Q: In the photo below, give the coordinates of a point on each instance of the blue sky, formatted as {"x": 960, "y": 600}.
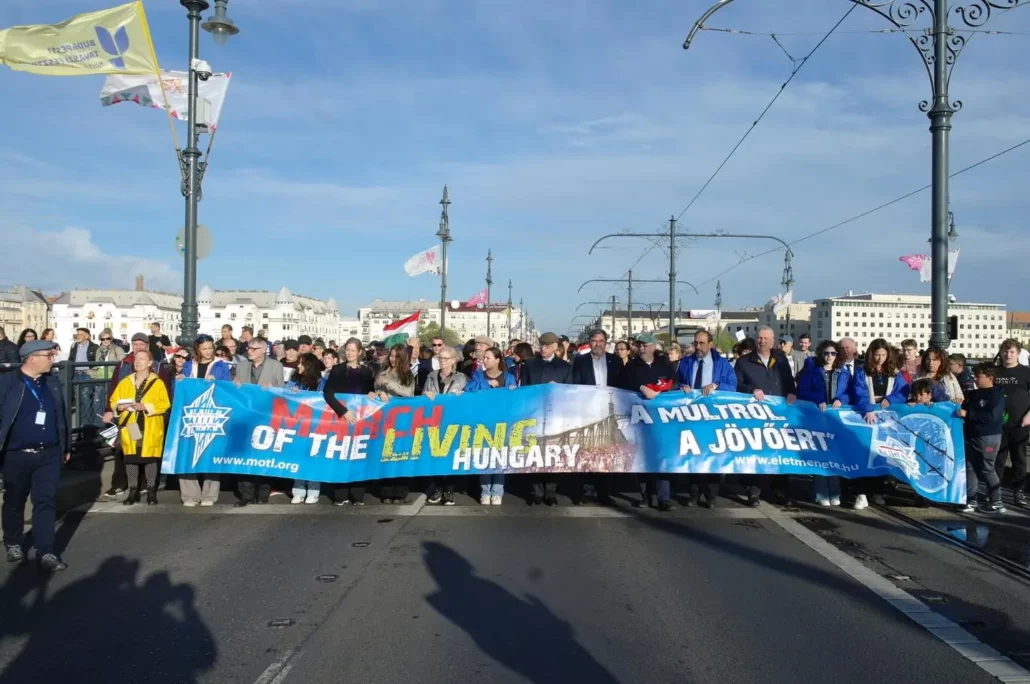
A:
{"x": 552, "y": 124}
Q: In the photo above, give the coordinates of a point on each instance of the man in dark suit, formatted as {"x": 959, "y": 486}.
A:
{"x": 598, "y": 369}
{"x": 650, "y": 374}
{"x": 542, "y": 370}
{"x": 34, "y": 443}
{"x": 766, "y": 372}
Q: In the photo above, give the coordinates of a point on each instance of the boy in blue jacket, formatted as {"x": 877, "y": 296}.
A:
{"x": 984, "y": 412}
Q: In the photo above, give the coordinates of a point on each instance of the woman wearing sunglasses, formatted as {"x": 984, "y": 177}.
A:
{"x": 824, "y": 381}
{"x": 204, "y": 363}
{"x": 107, "y": 351}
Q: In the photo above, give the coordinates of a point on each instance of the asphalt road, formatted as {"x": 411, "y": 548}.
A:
{"x": 314, "y": 594}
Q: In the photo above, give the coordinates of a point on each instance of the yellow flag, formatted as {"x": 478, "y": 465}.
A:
{"x": 111, "y": 41}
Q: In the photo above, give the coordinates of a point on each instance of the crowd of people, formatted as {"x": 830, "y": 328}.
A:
{"x": 994, "y": 402}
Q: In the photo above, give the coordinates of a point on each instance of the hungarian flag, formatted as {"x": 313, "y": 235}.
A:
{"x": 406, "y": 326}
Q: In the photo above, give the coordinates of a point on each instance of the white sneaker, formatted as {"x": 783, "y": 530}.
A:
{"x": 861, "y": 502}
{"x": 835, "y": 501}
{"x": 822, "y": 501}
{"x": 495, "y": 500}
{"x": 297, "y": 499}
{"x": 207, "y": 503}
{"x": 189, "y": 504}
{"x": 484, "y": 500}
{"x": 311, "y": 499}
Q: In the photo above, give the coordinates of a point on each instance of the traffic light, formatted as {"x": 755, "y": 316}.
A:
{"x": 952, "y": 328}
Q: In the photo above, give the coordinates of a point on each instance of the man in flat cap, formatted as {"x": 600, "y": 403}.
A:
{"x": 34, "y": 443}
{"x": 544, "y": 369}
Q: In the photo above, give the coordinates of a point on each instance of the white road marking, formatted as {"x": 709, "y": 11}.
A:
{"x": 967, "y": 645}
{"x": 277, "y": 671}
{"x": 420, "y": 507}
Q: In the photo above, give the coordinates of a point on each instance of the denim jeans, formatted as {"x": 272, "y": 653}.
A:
{"x": 306, "y": 487}
{"x": 827, "y": 487}
{"x": 493, "y": 485}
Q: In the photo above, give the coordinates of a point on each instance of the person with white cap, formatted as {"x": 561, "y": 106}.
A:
{"x": 34, "y": 442}
{"x": 795, "y": 357}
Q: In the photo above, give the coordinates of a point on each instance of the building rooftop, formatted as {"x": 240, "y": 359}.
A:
{"x": 895, "y": 298}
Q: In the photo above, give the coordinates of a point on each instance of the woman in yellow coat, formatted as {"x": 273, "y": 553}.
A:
{"x": 139, "y": 404}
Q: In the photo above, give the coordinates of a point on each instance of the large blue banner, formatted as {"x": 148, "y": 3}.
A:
{"x": 216, "y": 427}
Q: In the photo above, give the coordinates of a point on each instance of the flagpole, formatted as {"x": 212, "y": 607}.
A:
{"x": 489, "y": 282}
{"x": 445, "y": 236}
{"x": 190, "y": 323}
{"x": 509, "y": 309}
{"x": 522, "y": 319}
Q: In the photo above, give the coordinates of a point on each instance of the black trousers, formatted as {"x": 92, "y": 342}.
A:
{"x": 119, "y": 479}
{"x": 708, "y": 481}
{"x": 254, "y": 489}
{"x": 394, "y": 489}
{"x": 594, "y": 485}
{"x": 352, "y": 493}
{"x": 545, "y": 489}
{"x": 1014, "y": 441}
{"x": 37, "y": 474}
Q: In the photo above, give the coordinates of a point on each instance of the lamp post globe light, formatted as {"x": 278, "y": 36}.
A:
{"x": 939, "y": 46}
{"x": 220, "y": 27}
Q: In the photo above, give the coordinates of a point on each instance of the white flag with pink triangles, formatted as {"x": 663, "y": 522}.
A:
{"x": 145, "y": 90}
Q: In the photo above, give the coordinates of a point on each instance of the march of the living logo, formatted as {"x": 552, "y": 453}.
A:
{"x": 203, "y": 420}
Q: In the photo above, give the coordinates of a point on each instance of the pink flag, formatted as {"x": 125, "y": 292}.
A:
{"x": 477, "y": 299}
{"x": 914, "y": 261}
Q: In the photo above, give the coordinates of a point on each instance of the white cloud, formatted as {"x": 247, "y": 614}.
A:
{"x": 69, "y": 258}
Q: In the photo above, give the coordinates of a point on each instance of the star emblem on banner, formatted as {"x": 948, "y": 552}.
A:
{"x": 203, "y": 420}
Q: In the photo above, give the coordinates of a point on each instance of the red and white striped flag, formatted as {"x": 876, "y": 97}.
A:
{"x": 407, "y": 326}
{"x": 477, "y": 299}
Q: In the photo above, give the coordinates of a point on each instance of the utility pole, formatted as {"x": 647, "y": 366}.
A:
{"x": 672, "y": 279}
{"x": 629, "y": 292}
{"x": 613, "y": 315}
{"x": 718, "y": 311}
{"x": 509, "y": 309}
{"x": 489, "y": 282}
{"x": 788, "y": 285}
{"x": 672, "y": 235}
{"x": 445, "y": 237}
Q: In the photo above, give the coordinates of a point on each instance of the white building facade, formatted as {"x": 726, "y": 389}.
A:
{"x": 894, "y": 317}
{"x": 276, "y": 315}
{"x": 21, "y": 308}
{"x": 125, "y": 312}
{"x": 466, "y": 322}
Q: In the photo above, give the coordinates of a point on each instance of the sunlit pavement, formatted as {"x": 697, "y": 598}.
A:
{"x": 282, "y": 593}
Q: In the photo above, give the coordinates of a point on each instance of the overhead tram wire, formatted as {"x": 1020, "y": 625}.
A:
{"x": 765, "y": 34}
{"x": 865, "y": 213}
{"x": 798, "y": 65}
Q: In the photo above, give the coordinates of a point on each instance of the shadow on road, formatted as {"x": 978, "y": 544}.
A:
{"x": 108, "y": 627}
{"x": 521, "y": 634}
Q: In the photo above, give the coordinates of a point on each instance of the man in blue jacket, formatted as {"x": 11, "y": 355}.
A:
{"x": 33, "y": 445}
{"x": 705, "y": 371}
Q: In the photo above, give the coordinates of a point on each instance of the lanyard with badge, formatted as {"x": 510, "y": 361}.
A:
{"x": 40, "y": 414}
